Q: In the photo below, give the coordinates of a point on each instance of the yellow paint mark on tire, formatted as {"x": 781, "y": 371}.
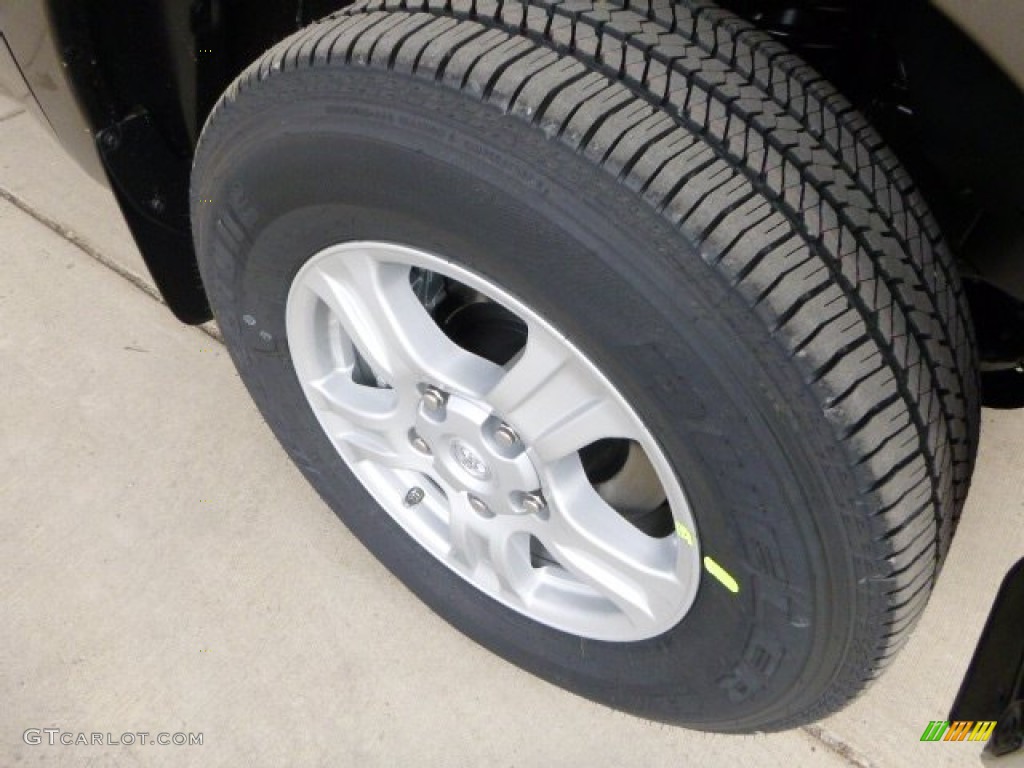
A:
{"x": 710, "y": 565}
{"x": 721, "y": 574}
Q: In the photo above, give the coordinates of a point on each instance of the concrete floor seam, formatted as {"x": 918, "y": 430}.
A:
{"x": 838, "y": 746}
{"x": 82, "y": 245}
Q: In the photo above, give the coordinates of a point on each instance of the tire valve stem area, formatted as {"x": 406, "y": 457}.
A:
{"x": 414, "y": 496}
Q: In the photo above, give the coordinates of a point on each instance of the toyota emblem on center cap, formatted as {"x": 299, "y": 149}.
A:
{"x": 470, "y": 460}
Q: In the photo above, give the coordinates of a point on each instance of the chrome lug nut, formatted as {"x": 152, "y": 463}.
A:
{"x": 506, "y": 437}
{"x": 480, "y": 507}
{"x": 419, "y": 443}
{"x": 534, "y": 504}
{"x": 434, "y": 400}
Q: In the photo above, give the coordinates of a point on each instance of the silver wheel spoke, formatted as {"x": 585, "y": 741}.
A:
{"x": 467, "y": 545}
{"x": 509, "y": 554}
{"x": 366, "y": 408}
{"x": 492, "y": 548}
{"x": 376, "y": 449}
{"x": 593, "y": 542}
{"x": 376, "y": 306}
{"x": 555, "y": 402}
{"x": 365, "y": 423}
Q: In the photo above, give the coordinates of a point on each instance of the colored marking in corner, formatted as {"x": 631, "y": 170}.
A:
{"x": 721, "y": 574}
{"x": 684, "y": 533}
{"x": 710, "y": 565}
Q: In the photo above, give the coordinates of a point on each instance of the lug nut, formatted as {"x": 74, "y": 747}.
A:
{"x": 506, "y": 437}
{"x": 534, "y": 504}
{"x": 480, "y": 507}
{"x": 434, "y": 400}
{"x": 419, "y": 443}
{"x": 414, "y": 496}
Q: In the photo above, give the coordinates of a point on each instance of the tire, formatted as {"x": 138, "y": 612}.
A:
{"x": 712, "y": 242}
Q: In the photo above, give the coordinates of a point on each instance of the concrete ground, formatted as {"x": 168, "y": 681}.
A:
{"x": 164, "y": 568}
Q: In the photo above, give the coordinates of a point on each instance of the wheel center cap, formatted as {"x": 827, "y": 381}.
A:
{"x": 470, "y": 457}
{"x": 470, "y": 460}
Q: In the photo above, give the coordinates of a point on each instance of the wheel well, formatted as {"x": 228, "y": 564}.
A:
{"x": 953, "y": 118}
{"x": 146, "y": 74}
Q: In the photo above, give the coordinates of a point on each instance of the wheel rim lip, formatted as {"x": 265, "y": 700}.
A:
{"x": 388, "y": 485}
